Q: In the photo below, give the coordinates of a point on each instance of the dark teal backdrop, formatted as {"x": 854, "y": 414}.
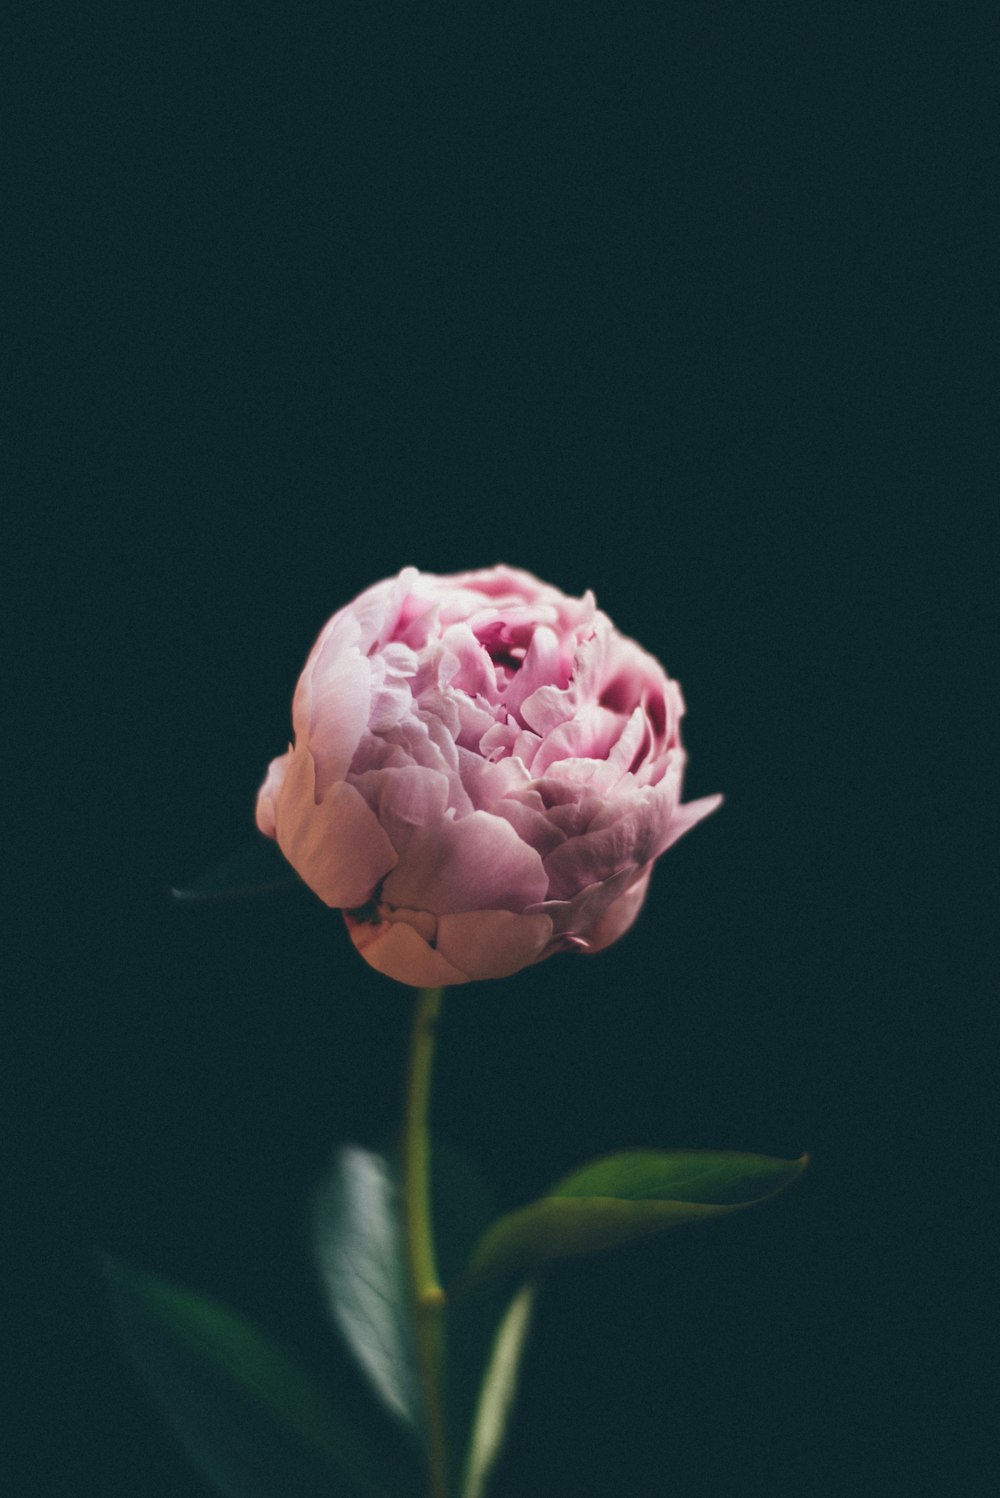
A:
{"x": 656, "y": 300}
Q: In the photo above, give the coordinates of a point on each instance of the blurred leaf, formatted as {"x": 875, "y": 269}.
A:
{"x": 496, "y": 1396}
{"x": 360, "y": 1252}
{"x": 715, "y": 1177}
{"x": 623, "y": 1197}
{"x": 252, "y": 1421}
{"x": 256, "y": 867}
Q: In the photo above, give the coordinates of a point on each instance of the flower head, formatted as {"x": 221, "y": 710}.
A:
{"x": 483, "y": 772}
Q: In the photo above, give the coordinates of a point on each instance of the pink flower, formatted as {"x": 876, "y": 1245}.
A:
{"x": 483, "y": 772}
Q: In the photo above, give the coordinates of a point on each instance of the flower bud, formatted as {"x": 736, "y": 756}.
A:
{"x": 483, "y": 772}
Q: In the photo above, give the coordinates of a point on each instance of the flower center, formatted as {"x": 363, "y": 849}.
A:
{"x": 508, "y": 657}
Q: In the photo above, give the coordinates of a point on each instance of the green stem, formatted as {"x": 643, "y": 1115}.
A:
{"x": 427, "y": 1297}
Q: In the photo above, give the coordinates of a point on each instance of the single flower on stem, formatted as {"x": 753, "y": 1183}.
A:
{"x": 484, "y": 771}
{"x": 483, "y": 774}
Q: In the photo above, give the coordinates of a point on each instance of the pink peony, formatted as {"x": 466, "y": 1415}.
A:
{"x": 483, "y": 772}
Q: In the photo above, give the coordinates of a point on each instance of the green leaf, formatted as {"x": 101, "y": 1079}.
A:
{"x": 359, "y": 1249}
{"x": 712, "y": 1177}
{"x": 497, "y": 1393}
{"x": 254, "y": 868}
{"x": 250, "y": 1419}
{"x": 624, "y": 1197}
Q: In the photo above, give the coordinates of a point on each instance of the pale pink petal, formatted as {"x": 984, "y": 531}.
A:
{"x": 532, "y": 827}
{"x": 404, "y": 799}
{"x": 578, "y": 916}
{"x": 391, "y": 698}
{"x": 267, "y": 796}
{"x": 547, "y": 708}
{"x": 339, "y": 708}
{"x": 620, "y": 915}
{"x": 429, "y": 744}
{"x": 487, "y": 782}
{"x": 492, "y": 943}
{"x": 626, "y": 672}
{"x": 578, "y": 809}
{"x": 475, "y": 863}
{"x": 423, "y": 923}
{"x": 377, "y": 609}
{"x": 662, "y": 797}
{"x": 498, "y": 741}
{"x": 686, "y": 817}
{"x": 627, "y": 840}
{"x": 337, "y": 845}
{"x": 502, "y": 582}
{"x": 466, "y": 666}
{"x": 541, "y": 665}
{"x": 339, "y": 633}
{"x": 378, "y": 752}
{"x": 397, "y": 950}
{"x": 525, "y": 747}
{"x": 475, "y": 720}
{"x": 633, "y": 737}
{"x": 586, "y": 737}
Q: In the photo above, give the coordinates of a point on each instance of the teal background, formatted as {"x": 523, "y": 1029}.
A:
{"x": 684, "y": 304}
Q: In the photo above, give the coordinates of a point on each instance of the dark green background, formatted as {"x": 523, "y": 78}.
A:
{"x": 680, "y": 303}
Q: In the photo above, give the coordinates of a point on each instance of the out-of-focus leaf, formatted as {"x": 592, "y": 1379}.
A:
{"x": 624, "y": 1197}
{"x": 253, "y": 1422}
{"x": 360, "y": 1252}
{"x": 254, "y": 868}
{"x": 496, "y": 1395}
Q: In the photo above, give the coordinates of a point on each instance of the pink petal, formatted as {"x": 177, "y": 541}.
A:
{"x": 339, "y": 705}
{"x": 391, "y": 698}
{"x": 540, "y": 667}
{"x": 403, "y": 799}
{"x": 532, "y": 827}
{"x": 378, "y": 608}
{"x": 337, "y": 845}
{"x": 475, "y": 863}
{"x": 547, "y": 707}
{"x": 492, "y": 943}
{"x": 634, "y": 733}
{"x": 633, "y": 833}
{"x": 580, "y": 916}
{"x": 397, "y": 950}
{"x": 267, "y": 796}
{"x": 488, "y": 781}
{"x": 570, "y": 750}
{"x": 688, "y": 816}
{"x": 466, "y": 666}
{"x": 620, "y": 914}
